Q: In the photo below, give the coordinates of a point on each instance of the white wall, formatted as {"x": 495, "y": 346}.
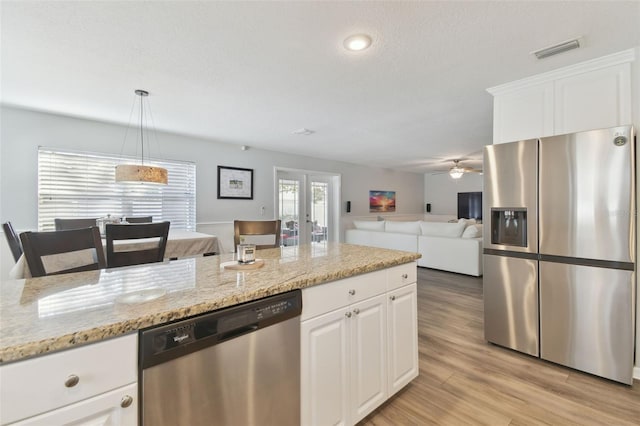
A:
{"x": 23, "y": 131}
{"x": 635, "y": 88}
{"x": 442, "y": 191}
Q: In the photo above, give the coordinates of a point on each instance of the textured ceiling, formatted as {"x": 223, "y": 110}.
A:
{"x": 251, "y": 73}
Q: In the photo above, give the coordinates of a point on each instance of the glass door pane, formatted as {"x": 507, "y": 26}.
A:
{"x": 319, "y": 211}
{"x": 289, "y": 196}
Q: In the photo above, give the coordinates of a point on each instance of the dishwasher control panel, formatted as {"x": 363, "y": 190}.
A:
{"x": 160, "y": 343}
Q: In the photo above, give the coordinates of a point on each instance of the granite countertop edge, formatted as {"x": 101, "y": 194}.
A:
{"x": 92, "y": 335}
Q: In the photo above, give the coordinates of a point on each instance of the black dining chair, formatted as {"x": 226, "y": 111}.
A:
{"x": 64, "y": 224}
{"x": 138, "y": 219}
{"x": 145, "y": 254}
{"x": 248, "y": 231}
{"x": 36, "y": 245}
{"x": 13, "y": 240}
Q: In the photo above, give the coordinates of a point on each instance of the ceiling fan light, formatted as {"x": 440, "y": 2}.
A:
{"x": 456, "y": 172}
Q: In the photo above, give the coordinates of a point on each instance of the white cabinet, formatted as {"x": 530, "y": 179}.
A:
{"x": 368, "y": 330}
{"x": 118, "y": 407}
{"x": 593, "y": 100}
{"x": 347, "y": 341}
{"x": 402, "y": 320}
{"x": 524, "y": 114}
{"x": 325, "y": 369}
{"x": 590, "y": 95}
{"x": 78, "y": 379}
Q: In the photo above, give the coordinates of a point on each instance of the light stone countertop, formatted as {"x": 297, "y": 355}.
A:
{"x": 42, "y": 315}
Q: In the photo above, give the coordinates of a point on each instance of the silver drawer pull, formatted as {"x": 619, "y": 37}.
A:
{"x": 126, "y": 401}
{"x": 356, "y": 311}
{"x": 71, "y": 381}
{"x": 405, "y": 276}
{"x": 352, "y": 292}
{"x": 348, "y": 314}
{"x": 392, "y": 297}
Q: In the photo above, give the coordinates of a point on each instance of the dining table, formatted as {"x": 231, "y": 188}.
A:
{"x": 180, "y": 244}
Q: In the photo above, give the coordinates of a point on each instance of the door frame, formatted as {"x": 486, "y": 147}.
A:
{"x": 335, "y": 189}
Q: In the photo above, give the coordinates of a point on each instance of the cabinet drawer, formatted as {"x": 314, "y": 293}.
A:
{"x": 399, "y": 276}
{"x": 324, "y": 298}
{"x": 38, "y": 385}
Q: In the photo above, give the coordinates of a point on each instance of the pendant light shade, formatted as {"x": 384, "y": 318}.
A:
{"x": 140, "y": 172}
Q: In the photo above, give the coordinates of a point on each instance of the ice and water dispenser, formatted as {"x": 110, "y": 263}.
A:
{"x": 509, "y": 226}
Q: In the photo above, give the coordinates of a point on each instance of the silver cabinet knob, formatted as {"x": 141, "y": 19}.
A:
{"x": 405, "y": 276}
{"x": 71, "y": 381}
{"x": 348, "y": 314}
{"x": 352, "y": 292}
{"x": 356, "y": 311}
{"x": 126, "y": 401}
{"x": 392, "y": 297}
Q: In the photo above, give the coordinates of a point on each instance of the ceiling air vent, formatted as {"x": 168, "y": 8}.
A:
{"x": 558, "y": 48}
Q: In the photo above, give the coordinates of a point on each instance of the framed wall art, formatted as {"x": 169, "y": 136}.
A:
{"x": 382, "y": 201}
{"x": 235, "y": 183}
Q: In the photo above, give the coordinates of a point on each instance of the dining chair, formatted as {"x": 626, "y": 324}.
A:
{"x": 263, "y": 233}
{"x": 13, "y": 240}
{"x": 65, "y": 224}
{"x": 58, "y": 252}
{"x": 129, "y": 254}
{"x": 138, "y": 219}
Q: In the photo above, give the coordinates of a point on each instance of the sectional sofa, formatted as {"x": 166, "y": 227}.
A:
{"x": 454, "y": 247}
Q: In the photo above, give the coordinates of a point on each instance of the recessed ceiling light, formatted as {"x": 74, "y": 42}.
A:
{"x": 357, "y": 42}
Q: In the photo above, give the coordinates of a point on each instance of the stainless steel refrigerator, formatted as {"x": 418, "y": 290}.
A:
{"x": 559, "y": 249}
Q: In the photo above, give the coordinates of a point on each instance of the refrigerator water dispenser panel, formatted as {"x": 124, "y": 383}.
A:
{"x": 509, "y": 226}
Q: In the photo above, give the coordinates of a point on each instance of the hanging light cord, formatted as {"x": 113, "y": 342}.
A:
{"x": 141, "y": 127}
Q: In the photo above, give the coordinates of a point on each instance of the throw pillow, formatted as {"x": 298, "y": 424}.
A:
{"x": 402, "y": 227}
{"x": 472, "y": 231}
{"x": 369, "y": 225}
{"x": 441, "y": 229}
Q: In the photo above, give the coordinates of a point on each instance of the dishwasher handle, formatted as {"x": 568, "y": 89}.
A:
{"x": 237, "y": 332}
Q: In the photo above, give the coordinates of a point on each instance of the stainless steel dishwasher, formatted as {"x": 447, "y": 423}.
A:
{"x": 235, "y": 366}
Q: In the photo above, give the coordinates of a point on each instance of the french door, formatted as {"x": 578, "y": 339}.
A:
{"x": 306, "y": 205}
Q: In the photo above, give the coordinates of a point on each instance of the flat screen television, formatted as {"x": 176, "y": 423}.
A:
{"x": 470, "y": 205}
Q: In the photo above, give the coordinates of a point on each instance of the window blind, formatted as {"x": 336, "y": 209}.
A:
{"x": 82, "y": 185}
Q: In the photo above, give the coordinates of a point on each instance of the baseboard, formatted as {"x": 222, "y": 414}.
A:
{"x": 636, "y": 373}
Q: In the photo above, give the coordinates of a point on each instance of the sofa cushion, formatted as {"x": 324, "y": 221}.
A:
{"x": 472, "y": 231}
{"x": 402, "y": 227}
{"x": 369, "y": 225}
{"x": 467, "y": 222}
{"x": 437, "y": 229}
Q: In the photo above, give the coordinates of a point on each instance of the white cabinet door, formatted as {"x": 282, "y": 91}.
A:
{"x": 402, "y": 319}
{"x": 117, "y": 407}
{"x": 593, "y": 100}
{"x": 368, "y": 325}
{"x": 325, "y": 369}
{"x": 523, "y": 114}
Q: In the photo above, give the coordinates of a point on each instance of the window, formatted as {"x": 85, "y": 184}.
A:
{"x": 82, "y": 184}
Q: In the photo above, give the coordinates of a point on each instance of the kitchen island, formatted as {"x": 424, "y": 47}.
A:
{"x": 50, "y": 314}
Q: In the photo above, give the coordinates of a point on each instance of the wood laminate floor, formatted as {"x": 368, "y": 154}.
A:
{"x": 467, "y": 381}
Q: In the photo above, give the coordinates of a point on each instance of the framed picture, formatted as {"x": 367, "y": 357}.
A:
{"x": 235, "y": 183}
{"x": 382, "y": 201}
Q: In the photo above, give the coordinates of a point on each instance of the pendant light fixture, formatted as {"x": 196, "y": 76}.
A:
{"x": 141, "y": 172}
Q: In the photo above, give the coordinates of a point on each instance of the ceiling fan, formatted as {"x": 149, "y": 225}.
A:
{"x": 458, "y": 170}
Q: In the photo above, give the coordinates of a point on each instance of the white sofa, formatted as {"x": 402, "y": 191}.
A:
{"x": 454, "y": 247}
